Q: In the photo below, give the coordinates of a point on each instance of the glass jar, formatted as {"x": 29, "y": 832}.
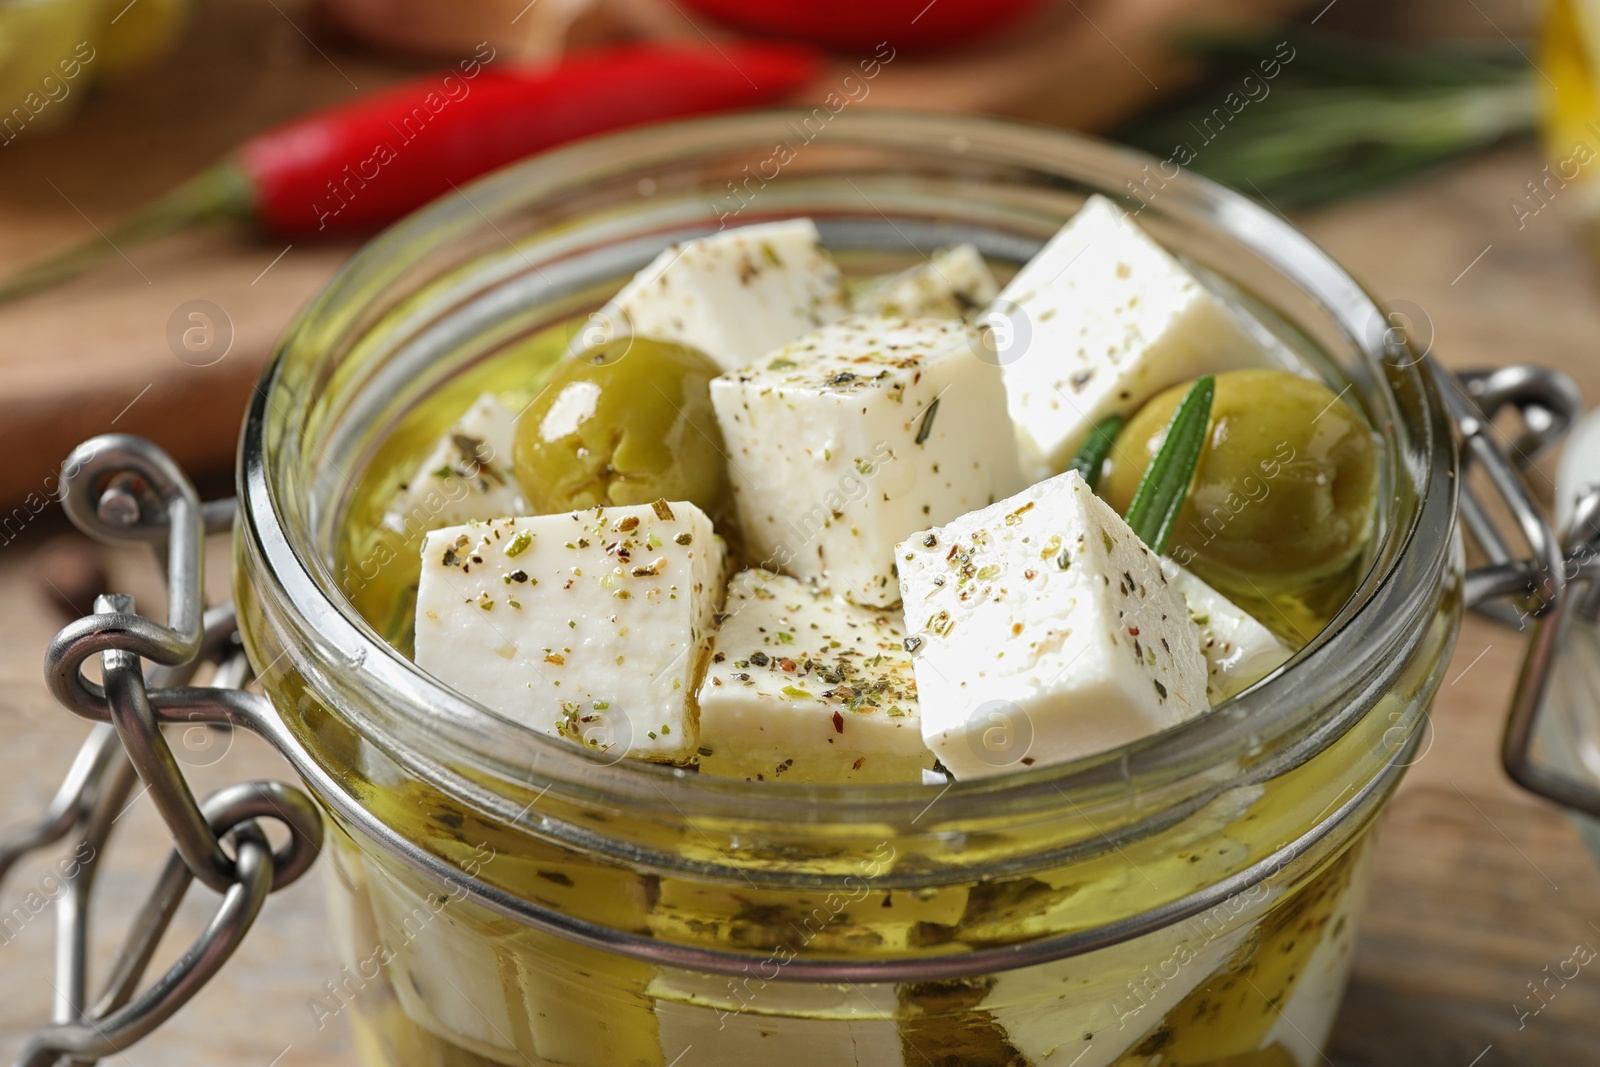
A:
{"x": 503, "y": 897}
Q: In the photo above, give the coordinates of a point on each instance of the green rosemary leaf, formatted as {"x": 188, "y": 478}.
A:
{"x": 1335, "y": 59}
{"x": 1091, "y": 457}
{"x": 1338, "y": 118}
{"x": 1166, "y": 481}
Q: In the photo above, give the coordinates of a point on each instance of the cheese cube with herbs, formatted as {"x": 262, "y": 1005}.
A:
{"x": 1239, "y": 650}
{"x": 1101, "y": 320}
{"x": 466, "y": 476}
{"x": 1042, "y": 630}
{"x": 588, "y": 625}
{"x": 734, "y": 295}
{"x": 852, "y": 437}
{"x": 955, "y": 283}
{"x": 805, "y": 687}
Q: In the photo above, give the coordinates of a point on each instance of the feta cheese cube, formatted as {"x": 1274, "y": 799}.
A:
{"x": 1239, "y": 651}
{"x": 445, "y": 965}
{"x": 588, "y": 625}
{"x": 954, "y": 284}
{"x": 1042, "y": 630}
{"x": 735, "y": 295}
{"x": 850, "y": 438}
{"x": 1098, "y": 322}
{"x": 713, "y": 1021}
{"x": 805, "y": 687}
{"x": 466, "y": 476}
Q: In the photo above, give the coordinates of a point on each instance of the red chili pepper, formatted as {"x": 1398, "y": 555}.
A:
{"x": 860, "y": 25}
{"x": 363, "y": 164}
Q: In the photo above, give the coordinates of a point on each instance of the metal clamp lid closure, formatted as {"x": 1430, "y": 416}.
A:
{"x": 1554, "y": 590}
{"x": 119, "y": 488}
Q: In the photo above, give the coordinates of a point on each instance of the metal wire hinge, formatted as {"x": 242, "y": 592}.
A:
{"x": 120, "y": 488}
{"x": 1554, "y": 587}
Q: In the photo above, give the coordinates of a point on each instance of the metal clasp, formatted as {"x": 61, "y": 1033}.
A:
{"x": 1553, "y": 589}
{"x": 119, "y": 488}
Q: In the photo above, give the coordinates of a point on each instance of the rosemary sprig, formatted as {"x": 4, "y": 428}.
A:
{"x": 1161, "y": 492}
{"x": 1342, "y": 116}
{"x": 1091, "y": 457}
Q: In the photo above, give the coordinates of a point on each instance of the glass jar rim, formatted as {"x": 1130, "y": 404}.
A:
{"x": 1274, "y": 726}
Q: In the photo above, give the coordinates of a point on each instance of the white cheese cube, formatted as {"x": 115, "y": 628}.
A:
{"x": 445, "y": 969}
{"x": 588, "y": 625}
{"x": 806, "y": 687}
{"x": 1092, "y": 1009}
{"x": 713, "y": 1021}
{"x": 466, "y": 476}
{"x": 735, "y": 295}
{"x": 1239, "y": 651}
{"x": 1304, "y": 1023}
{"x": 954, "y": 284}
{"x": 1101, "y": 320}
{"x": 1042, "y": 630}
{"x": 850, "y": 438}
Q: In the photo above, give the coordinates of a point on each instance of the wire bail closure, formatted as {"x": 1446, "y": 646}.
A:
{"x": 119, "y": 488}
{"x": 1555, "y": 588}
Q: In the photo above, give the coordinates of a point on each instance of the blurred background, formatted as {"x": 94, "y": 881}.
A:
{"x": 107, "y": 107}
{"x": 178, "y": 178}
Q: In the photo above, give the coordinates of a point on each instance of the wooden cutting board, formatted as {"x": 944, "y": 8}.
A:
{"x": 104, "y": 353}
{"x": 93, "y": 356}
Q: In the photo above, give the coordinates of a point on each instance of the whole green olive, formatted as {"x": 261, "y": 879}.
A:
{"x": 628, "y": 423}
{"x": 1284, "y": 492}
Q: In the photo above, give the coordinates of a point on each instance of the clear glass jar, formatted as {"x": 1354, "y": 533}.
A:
{"x": 502, "y": 897}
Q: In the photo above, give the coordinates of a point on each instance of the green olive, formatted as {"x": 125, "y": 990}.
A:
{"x": 625, "y": 424}
{"x": 1284, "y": 492}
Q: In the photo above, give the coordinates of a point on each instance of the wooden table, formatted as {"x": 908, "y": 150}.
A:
{"x": 1478, "y": 887}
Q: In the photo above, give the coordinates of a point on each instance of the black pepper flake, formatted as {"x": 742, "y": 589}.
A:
{"x": 930, "y": 541}
{"x": 518, "y": 576}
{"x": 1161, "y": 690}
{"x": 450, "y": 558}
{"x": 913, "y": 643}
{"x": 759, "y": 658}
